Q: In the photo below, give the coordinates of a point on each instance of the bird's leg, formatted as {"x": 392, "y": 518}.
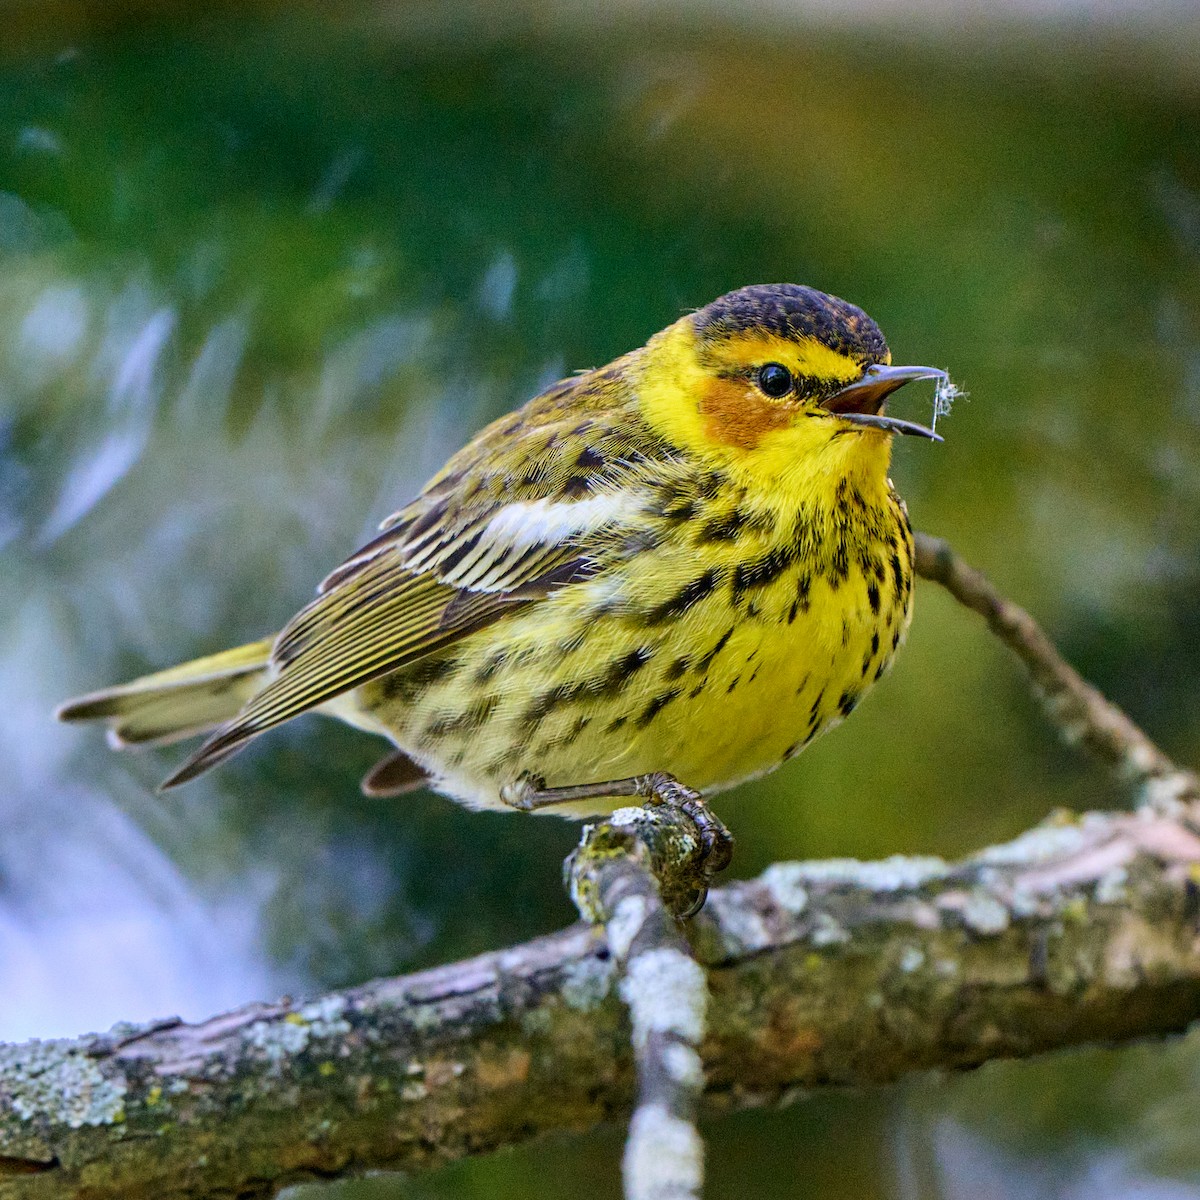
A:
{"x": 530, "y": 792}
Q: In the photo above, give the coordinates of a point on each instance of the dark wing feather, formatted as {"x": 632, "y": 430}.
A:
{"x": 346, "y": 644}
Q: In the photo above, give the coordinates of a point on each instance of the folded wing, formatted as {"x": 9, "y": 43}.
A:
{"x": 475, "y": 546}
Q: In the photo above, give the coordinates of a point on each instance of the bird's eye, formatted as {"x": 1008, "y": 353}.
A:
{"x": 775, "y": 380}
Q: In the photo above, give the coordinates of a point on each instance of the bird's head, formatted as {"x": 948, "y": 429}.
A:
{"x": 769, "y": 376}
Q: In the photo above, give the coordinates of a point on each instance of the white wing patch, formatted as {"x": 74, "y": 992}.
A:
{"x": 551, "y": 522}
{"x": 524, "y": 532}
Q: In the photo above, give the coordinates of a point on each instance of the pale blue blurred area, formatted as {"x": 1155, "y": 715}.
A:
{"x": 961, "y": 1164}
{"x": 262, "y": 270}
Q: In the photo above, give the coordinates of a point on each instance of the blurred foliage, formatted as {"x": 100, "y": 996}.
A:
{"x": 261, "y": 270}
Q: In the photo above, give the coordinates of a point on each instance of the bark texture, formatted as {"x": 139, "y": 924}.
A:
{"x": 1083, "y": 930}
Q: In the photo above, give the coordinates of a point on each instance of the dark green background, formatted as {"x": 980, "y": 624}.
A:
{"x": 261, "y": 270}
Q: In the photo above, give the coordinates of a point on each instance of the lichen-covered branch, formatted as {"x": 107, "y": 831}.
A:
{"x": 637, "y": 874}
{"x": 1083, "y": 930}
{"x": 1083, "y": 715}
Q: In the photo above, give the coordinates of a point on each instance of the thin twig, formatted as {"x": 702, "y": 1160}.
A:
{"x": 634, "y": 874}
{"x": 1081, "y": 714}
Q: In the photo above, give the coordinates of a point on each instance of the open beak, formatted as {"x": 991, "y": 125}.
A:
{"x": 862, "y": 402}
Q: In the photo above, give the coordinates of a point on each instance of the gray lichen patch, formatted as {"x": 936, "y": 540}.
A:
{"x": 740, "y": 928}
{"x": 664, "y": 1156}
{"x": 1168, "y": 795}
{"x": 683, "y": 1064}
{"x": 56, "y": 1081}
{"x": 278, "y": 1040}
{"x": 1046, "y": 843}
{"x": 984, "y": 914}
{"x": 625, "y": 923}
{"x": 666, "y": 993}
{"x": 785, "y": 882}
{"x": 325, "y": 1017}
{"x": 588, "y": 983}
{"x": 896, "y": 874}
{"x": 631, "y": 816}
{"x": 1112, "y": 887}
{"x": 828, "y": 931}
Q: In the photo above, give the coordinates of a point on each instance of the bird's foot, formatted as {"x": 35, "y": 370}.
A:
{"x": 530, "y": 793}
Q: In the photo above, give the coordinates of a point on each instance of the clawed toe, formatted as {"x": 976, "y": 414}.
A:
{"x": 529, "y": 793}
{"x": 716, "y": 842}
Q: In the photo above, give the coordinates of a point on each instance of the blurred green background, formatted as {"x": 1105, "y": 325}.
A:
{"x": 263, "y": 267}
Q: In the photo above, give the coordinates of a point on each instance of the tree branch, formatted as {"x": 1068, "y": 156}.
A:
{"x": 1083, "y": 930}
{"x": 637, "y": 874}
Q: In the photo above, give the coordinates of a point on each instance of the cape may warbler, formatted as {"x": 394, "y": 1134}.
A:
{"x": 674, "y": 570}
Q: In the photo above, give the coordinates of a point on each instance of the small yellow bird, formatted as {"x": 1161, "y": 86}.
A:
{"x": 656, "y": 579}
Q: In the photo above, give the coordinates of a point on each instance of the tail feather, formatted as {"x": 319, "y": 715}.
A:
{"x": 223, "y": 744}
{"x": 394, "y": 775}
{"x": 177, "y": 703}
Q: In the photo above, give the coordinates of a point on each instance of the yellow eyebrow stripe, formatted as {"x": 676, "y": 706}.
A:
{"x": 803, "y": 357}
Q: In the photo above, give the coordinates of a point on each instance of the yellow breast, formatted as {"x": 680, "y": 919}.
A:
{"x": 738, "y": 634}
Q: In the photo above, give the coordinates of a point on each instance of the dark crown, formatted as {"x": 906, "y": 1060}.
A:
{"x": 792, "y": 311}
